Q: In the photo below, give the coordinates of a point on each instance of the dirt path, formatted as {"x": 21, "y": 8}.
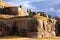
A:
{"x": 23, "y": 38}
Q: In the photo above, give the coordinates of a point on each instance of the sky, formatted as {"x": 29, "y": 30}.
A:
{"x": 51, "y": 7}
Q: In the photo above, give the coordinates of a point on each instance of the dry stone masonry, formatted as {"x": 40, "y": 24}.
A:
{"x": 26, "y": 23}
{"x": 46, "y": 28}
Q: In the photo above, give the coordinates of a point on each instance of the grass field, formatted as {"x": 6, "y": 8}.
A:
{"x": 24, "y": 38}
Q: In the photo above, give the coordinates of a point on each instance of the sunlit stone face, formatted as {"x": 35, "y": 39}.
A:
{"x": 22, "y": 12}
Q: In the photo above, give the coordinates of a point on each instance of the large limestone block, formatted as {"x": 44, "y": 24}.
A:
{"x": 54, "y": 21}
{"x": 40, "y": 27}
{"x": 49, "y": 34}
{"x": 49, "y": 25}
{"x": 45, "y": 24}
{"x": 40, "y": 35}
{"x": 36, "y": 34}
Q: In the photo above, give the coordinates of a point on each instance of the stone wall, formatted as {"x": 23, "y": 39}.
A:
{"x": 41, "y": 28}
{"x": 46, "y": 28}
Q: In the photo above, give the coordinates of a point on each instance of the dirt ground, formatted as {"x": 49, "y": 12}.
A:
{"x": 25, "y": 38}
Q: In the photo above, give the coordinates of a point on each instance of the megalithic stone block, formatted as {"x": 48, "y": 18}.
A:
{"x": 22, "y": 26}
{"x": 35, "y": 34}
{"x": 45, "y": 24}
{"x": 49, "y": 34}
{"x": 10, "y": 23}
{"x": 40, "y": 26}
{"x": 26, "y": 25}
{"x": 4, "y": 30}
